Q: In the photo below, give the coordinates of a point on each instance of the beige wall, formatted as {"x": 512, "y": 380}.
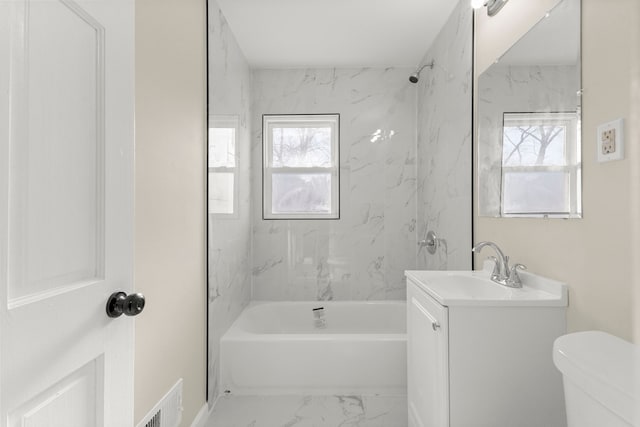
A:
{"x": 593, "y": 254}
{"x": 634, "y": 188}
{"x": 170, "y": 197}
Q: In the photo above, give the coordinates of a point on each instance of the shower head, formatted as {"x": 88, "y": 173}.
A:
{"x": 413, "y": 78}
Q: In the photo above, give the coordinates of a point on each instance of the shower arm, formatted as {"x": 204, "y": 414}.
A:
{"x": 429, "y": 64}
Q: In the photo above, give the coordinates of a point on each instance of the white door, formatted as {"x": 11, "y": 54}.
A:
{"x": 66, "y": 212}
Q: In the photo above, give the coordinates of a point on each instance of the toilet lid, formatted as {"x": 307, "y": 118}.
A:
{"x": 603, "y": 366}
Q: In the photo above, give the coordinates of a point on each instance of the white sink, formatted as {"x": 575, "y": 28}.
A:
{"x": 451, "y": 288}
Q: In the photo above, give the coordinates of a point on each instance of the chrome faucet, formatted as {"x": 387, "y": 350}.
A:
{"x": 502, "y": 274}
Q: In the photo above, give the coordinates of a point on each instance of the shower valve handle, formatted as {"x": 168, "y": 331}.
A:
{"x": 430, "y": 242}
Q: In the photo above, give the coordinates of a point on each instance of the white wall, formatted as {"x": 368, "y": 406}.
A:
{"x": 169, "y": 204}
{"x": 593, "y": 254}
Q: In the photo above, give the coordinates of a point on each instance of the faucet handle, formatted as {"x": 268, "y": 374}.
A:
{"x": 513, "y": 280}
{"x": 515, "y": 268}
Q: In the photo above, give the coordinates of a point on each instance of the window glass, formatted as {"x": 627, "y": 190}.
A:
{"x": 301, "y": 147}
{"x": 537, "y": 192}
{"x": 222, "y": 147}
{"x": 531, "y": 145}
{"x": 221, "y": 192}
{"x": 301, "y": 193}
{"x": 223, "y": 166}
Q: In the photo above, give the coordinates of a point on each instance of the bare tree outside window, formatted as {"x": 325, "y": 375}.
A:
{"x": 301, "y": 147}
{"x": 534, "y": 145}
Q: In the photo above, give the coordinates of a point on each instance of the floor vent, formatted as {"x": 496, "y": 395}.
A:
{"x": 168, "y": 411}
{"x": 155, "y": 420}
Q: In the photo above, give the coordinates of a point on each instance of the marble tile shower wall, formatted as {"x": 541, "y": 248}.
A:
{"x": 229, "y": 236}
{"x": 361, "y": 256}
{"x": 444, "y": 145}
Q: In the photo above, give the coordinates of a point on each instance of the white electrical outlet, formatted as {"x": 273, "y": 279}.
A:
{"x": 610, "y": 141}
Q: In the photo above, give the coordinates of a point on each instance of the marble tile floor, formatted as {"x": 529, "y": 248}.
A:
{"x": 309, "y": 411}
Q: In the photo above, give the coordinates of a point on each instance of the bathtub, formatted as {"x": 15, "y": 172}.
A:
{"x": 276, "y": 348}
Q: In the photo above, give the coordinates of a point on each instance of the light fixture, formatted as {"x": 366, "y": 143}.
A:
{"x": 493, "y": 6}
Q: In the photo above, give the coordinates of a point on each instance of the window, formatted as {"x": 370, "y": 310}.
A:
{"x": 541, "y": 164}
{"x": 223, "y": 165}
{"x": 301, "y": 166}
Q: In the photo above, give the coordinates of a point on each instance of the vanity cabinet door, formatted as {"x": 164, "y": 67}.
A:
{"x": 428, "y": 354}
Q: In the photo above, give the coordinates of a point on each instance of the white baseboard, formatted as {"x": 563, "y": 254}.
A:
{"x": 202, "y": 417}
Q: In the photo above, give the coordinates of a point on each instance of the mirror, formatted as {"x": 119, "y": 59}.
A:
{"x": 528, "y": 115}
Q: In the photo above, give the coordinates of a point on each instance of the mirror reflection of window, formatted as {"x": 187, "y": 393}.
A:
{"x": 540, "y": 164}
{"x": 223, "y": 165}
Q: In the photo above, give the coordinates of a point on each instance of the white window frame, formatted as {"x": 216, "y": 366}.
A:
{"x": 226, "y": 122}
{"x": 269, "y": 121}
{"x": 573, "y": 161}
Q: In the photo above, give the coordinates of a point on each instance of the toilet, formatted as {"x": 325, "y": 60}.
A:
{"x": 601, "y": 376}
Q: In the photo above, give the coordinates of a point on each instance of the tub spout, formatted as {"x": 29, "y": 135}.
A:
{"x": 319, "y": 321}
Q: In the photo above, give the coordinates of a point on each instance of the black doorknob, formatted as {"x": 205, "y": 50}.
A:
{"x": 120, "y": 303}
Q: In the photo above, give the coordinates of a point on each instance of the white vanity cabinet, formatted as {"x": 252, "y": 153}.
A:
{"x": 428, "y": 360}
{"x": 482, "y": 357}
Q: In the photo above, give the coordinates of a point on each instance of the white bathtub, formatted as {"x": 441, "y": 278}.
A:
{"x": 275, "y": 348}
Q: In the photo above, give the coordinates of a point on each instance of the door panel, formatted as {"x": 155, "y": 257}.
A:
{"x": 428, "y": 354}
{"x": 66, "y": 212}
{"x": 50, "y": 408}
{"x": 56, "y": 221}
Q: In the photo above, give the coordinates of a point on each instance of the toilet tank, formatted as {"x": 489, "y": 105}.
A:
{"x": 601, "y": 376}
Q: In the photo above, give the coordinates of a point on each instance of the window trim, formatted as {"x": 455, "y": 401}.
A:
{"x": 296, "y": 120}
